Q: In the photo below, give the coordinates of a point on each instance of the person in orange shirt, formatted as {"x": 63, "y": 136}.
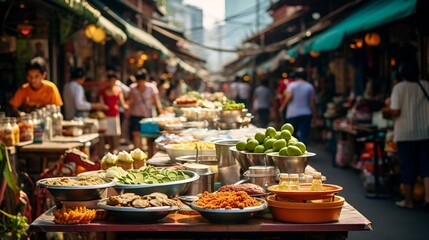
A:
{"x": 37, "y": 92}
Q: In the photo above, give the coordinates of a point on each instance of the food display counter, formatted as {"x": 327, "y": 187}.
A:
{"x": 195, "y": 226}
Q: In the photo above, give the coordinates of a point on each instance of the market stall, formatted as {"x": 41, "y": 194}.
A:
{"x": 187, "y": 226}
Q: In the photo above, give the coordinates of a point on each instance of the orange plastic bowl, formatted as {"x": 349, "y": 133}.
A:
{"x": 299, "y": 212}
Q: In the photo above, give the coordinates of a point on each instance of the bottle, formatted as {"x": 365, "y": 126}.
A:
{"x": 26, "y": 129}
{"x": 39, "y": 128}
{"x": 57, "y": 121}
{"x": 316, "y": 184}
{"x": 15, "y": 129}
{"x": 7, "y": 132}
{"x": 48, "y": 124}
{"x": 284, "y": 181}
{"x": 294, "y": 182}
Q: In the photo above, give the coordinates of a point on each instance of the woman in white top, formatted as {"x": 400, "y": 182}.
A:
{"x": 410, "y": 109}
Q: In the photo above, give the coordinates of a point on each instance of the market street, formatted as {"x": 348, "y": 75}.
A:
{"x": 388, "y": 221}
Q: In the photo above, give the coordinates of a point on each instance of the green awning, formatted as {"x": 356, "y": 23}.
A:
{"x": 93, "y": 15}
{"x": 372, "y": 14}
{"x": 133, "y": 32}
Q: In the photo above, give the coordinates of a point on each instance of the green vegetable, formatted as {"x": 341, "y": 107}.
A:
{"x": 152, "y": 175}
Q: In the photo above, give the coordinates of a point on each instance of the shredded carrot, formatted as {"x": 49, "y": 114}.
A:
{"x": 226, "y": 200}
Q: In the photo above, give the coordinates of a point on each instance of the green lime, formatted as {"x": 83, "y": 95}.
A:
{"x": 283, "y": 152}
{"x": 241, "y": 145}
{"x": 277, "y": 135}
{"x": 292, "y": 141}
{"x": 293, "y": 151}
{"x": 251, "y": 145}
{"x": 269, "y": 143}
{"x": 259, "y": 149}
{"x": 279, "y": 144}
{"x": 269, "y": 150}
{"x": 260, "y": 137}
{"x": 250, "y": 138}
{"x": 285, "y": 134}
{"x": 301, "y": 146}
{"x": 270, "y": 131}
{"x": 288, "y": 126}
{"x": 266, "y": 139}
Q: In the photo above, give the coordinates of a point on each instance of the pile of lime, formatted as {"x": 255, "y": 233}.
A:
{"x": 274, "y": 141}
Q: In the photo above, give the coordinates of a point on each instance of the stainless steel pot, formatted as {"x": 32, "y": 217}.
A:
{"x": 263, "y": 176}
{"x": 204, "y": 183}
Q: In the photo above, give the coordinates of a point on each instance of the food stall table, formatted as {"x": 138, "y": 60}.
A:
{"x": 195, "y": 226}
{"x": 36, "y": 157}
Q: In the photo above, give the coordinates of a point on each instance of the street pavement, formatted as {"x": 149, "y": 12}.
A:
{"x": 388, "y": 221}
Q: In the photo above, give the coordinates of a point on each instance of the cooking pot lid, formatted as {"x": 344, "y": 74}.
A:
{"x": 198, "y": 168}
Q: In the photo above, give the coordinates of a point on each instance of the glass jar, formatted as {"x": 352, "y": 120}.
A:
{"x": 7, "y": 133}
{"x": 294, "y": 182}
{"x": 26, "y": 129}
{"x": 15, "y": 129}
{"x": 284, "y": 181}
{"x": 316, "y": 184}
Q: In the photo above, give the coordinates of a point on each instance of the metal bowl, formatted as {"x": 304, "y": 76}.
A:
{"x": 171, "y": 189}
{"x": 202, "y": 159}
{"x": 75, "y": 193}
{"x": 240, "y": 157}
{"x": 248, "y": 159}
{"x": 175, "y": 153}
{"x": 228, "y": 216}
{"x": 291, "y": 164}
{"x": 131, "y": 214}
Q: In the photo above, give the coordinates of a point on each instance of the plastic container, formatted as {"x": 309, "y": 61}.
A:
{"x": 306, "y": 212}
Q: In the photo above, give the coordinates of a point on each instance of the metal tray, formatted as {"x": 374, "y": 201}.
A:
{"x": 75, "y": 193}
{"x": 131, "y": 214}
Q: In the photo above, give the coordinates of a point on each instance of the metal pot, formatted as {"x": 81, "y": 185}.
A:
{"x": 204, "y": 183}
{"x": 263, "y": 176}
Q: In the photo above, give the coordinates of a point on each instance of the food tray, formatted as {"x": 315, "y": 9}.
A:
{"x": 329, "y": 190}
{"x": 131, "y": 214}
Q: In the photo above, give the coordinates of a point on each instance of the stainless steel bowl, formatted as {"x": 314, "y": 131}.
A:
{"x": 131, "y": 214}
{"x": 228, "y": 216}
{"x": 75, "y": 193}
{"x": 171, "y": 189}
{"x": 175, "y": 153}
{"x": 241, "y": 158}
{"x": 248, "y": 159}
{"x": 291, "y": 164}
{"x": 202, "y": 159}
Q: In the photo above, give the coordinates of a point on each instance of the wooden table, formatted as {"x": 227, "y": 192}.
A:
{"x": 194, "y": 226}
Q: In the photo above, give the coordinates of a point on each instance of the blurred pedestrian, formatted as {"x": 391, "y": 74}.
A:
{"x": 280, "y": 95}
{"x": 409, "y": 104}
{"x": 75, "y": 103}
{"x": 112, "y": 96}
{"x": 262, "y": 100}
{"x": 143, "y": 97}
{"x": 301, "y": 105}
{"x": 125, "y": 89}
{"x": 37, "y": 92}
{"x": 244, "y": 91}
